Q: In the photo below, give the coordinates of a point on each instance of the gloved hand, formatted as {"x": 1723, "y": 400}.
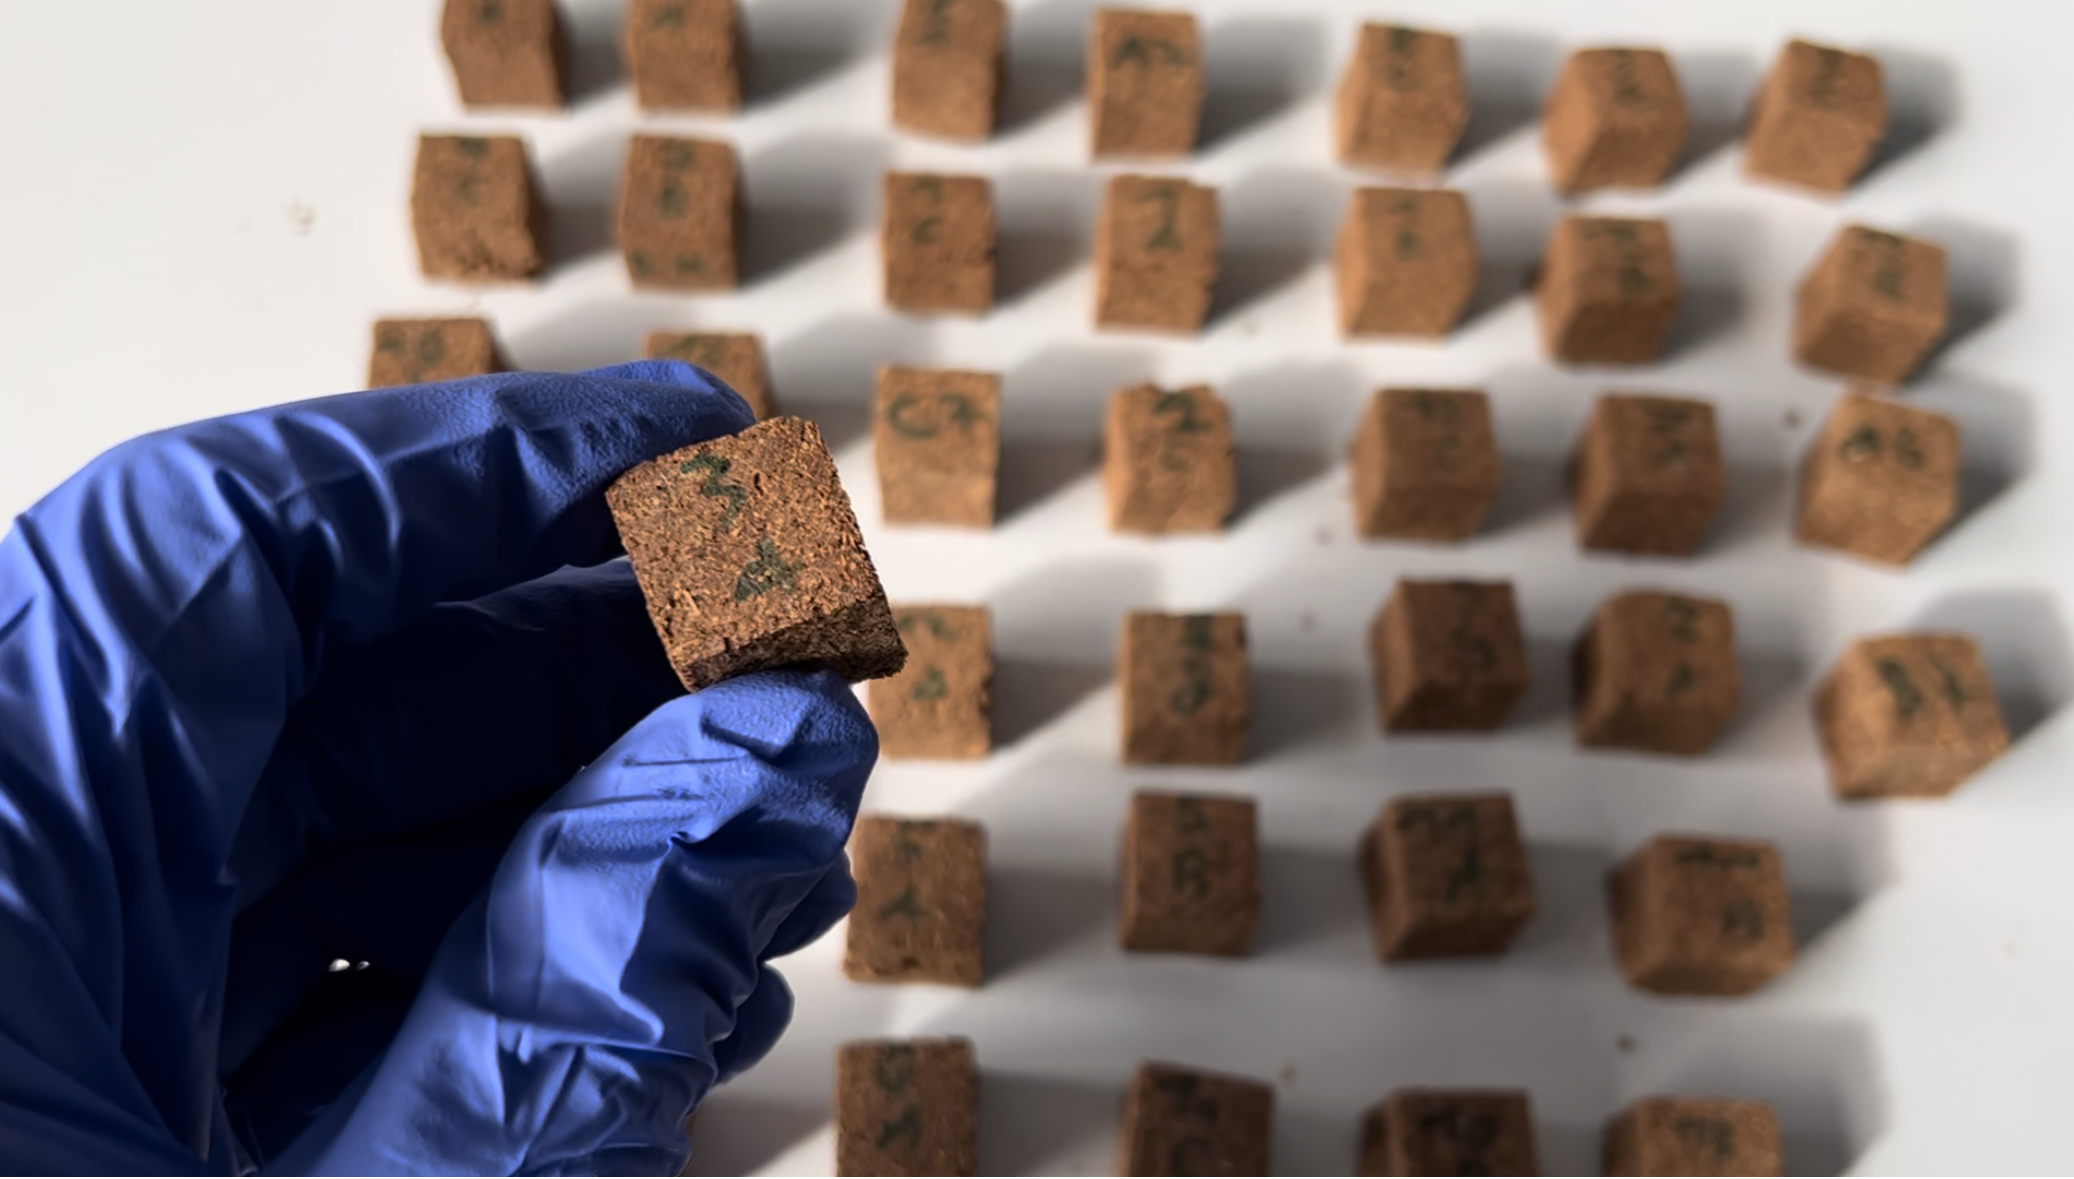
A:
{"x": 359, "y": 679}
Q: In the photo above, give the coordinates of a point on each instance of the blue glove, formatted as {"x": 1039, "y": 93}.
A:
{"x": 360, "y": 679}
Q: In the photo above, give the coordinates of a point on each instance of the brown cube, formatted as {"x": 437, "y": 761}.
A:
{"x": 679, "y": 214}
{"x": 1816, "y": 118}
{"x": 1167, "y": 460}
{"x": 1186, "y": 699}
{"x": 1191, "y": 874}
{"x": 1447, "y": 876}
{"x": 947, "y": 67}
{"x": 921, "y": 901}
{"x": 1907, "y": 716}
{"x": 474, "y": 209}
{"x": 420, "y": 351}
{"x": 1405, "y": 262}
{"x": 1448, "y": 656}
{"x": 1873, "y": 306}
{"x": 505, "y": 52}
{"x": 735, "y": 357}
{"x": 1656, "y": 672}
{"x": 1424, "y": 464}
{"x": 1450, "y": 1132}
{"x": 1185, "y": 1121}
{"x": 1615, "y": 119}
{"x": 1608, "y": 290}
{"x": 937, "y": 239}
{"x": 940, "y": 705}
{"x": 937, "y": 441}
{"x": 750, "y": 558}
{"x": 1700, "y": 916}
{"x": 1880, "y": 480}
{"x": 906, "y": 1107}
{"x": 684, "y": 54}
{"x": 1647, "y": 477}
{"x": 1401, "y": 104}
{"x": 1693, "y": 1136}
{"x": 1144, "y": 83}
{"x": 1155, "y": 254}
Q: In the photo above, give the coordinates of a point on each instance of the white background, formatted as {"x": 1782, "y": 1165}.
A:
{"x": 202, "y": 205}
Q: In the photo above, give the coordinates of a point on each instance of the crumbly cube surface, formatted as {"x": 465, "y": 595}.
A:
{"x": 1656, "y": 672}
{"x": 1816, "y": 119}
{"x": 1144, "y": 83}
{"x": 1700, "y": 916}
{"x": 1450, "y": 1132}
{"x": 939, "y": 706}
{"x": 735, "y": 357}
{"x": 937, "y": 441}
{"x": 1185, "y": 1121}
{"x": 505, "y": 53}
{"x": 677, "y": 219}
{"x": 907, "y": 1107}
{"x": 1424, "y": 465}
{"x": 1168, "y": 464}
{"x": 1873, "y": 306}
{"x": 1693, "y": 1136}
{"x": 1908, "y": 715}
{"x": 1448, "y": 656}
{"x": 1402, "y": 103}
{"x": 1880, "y": 480}
{"x": 683, "y": 54}
{"x": 936, "y": 238}
{"x": 1447, "y": 876}
{"x": 420, "y": 351}
{"x": 474, "y": 209}
{"x": 947, "y": 59}
{"x": 1648, "y": 477}
{"x": 1405, "y": 262}
{"x": 1608, "y": 290}
{"x": 921, "y": 901}
{"x": 1191, "y": 874}
{"x": 1183, "y": 682}
{"x": 1155, "y": 254}
{"x": 1615, "y": 119}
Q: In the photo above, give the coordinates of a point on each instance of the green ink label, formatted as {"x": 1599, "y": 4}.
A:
{"x": 895, "y": 1067}
{"x": 703, "y": 351}
{"x": 1181, "y": 407}
{"x": 1627, "y": 88}
{"x": 669, "y": 16}
{"x": 1887, "y": 267}
{"x": 937, "y": 30}
{"x": 671, "y": 201}
{"x": 1954, "y": 689}
{"x": 688, "y": 264}
{"x": 907, "y": 904}
{"x": 1189, "y": 816}
{"x": 1471, "y": 1134}
{"x": 1405, "y": 242}
{"x": 1196, "y": 642}
{"x": 956, "y": 406}
{"x": 1742, "y": 921}
{"x": 714, "y": 468}
{"x": 924, "y": 232}
{"x": 472, "y": 147}
{"x": 1829, "y": 64}
{"x": 1708, "y": 855}
{"x": 908, "y": 1125}
{"x": 913, "y": 621}
{"x": 907, "y": 841}
{"x": 1906, "y": 450}
{"x": 1167, "y": 236}
{"x": 1191, "y": 871}
{"x": 1681, "y": 681}
{"x": 1473, "y": 653}
{"x": 1894, "y": 677}
{"x": 1707, "y": 1136}
{"x": 1667, "y": 425}
{"x": 1141, "y": 51}
{"x": 766, "y": 573}
{"x": 638, "y": 263}
{"x": 1397, "y": 59}
{"x": 1684, "y": 618}
{"x": 1860, "y": 446}
{"x": 1444, "y": 823}
{"x": 1630, "y": 272}
{"x": 932, "y": 685}
{"x": 490, "y": 12}
{"x": 1443, "y": 411}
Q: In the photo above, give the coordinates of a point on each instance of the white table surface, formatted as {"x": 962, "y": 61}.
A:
{"x": 203, "y": 205}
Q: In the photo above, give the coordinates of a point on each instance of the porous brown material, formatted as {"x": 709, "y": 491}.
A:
{"x": 1191, "y": 874}
{"x": 1615, "y": 119}
{"x": 1911, "y": 715}
{"x": 1144, "y": 83}
{"x": 1182, "y": 681}
{"x": 679, "y": 216}
{"x": 419, "y": 351}
{"x": 1448, "y": 656}
{"x": 947, "y": 67}
{"x": 1186, "y": 1121}
{"x": 907, "y": 1107}
{"x": 937, "y": 441}
{"x": 1607, "y": 292}
{"x": 921, "y": 901}
{"x": 684, "y": 54}
{"x": 1450, "y": 1132}
{"x": 505, "y": 53}
{"x": 750, "y": 558}
{"x": 1693, "y": 1136}
{"x": 1872, "y": 306}
{"x": 1656, "y": 672}
{"x": 1167, "y": 460}
{"x": 475, "y": 211}
{"x": 1700, "y": 916}
{"x": 735, "y": 357}
{"x": 1155, "y": 254}
{"x": 1447, "y": 876}
{"x": 1405, "y": 262}
{"x": 1816, "y": 118}
{"x": 1402, "y": 103}
{"x": 936, "y": 237}
{"x": 1424, "y": 465}
{"x": 1880, "y": 480}
{"x": 940, "y": 705}
{"x": 1648, "y": 476}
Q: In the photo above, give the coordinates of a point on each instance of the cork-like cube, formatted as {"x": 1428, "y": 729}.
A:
{"x": 947, "y": 67}
{"x": 1167, "y": 460}
{"x": 750, "y": 558}
{"x": 1144, "y": 83}
{"x": 1693, "y": 1136}
{"x": 1191, "y": 874}
{"x": 1880, "y": 480}
{"x": 1700, "y": 916}
{"x": 1615, "y": 119}
{"x": 684, "y": 54}
{"x": 735, "y": 357}
{"x": 505, "y": 53}
{"x": 679, "y": 216}
{"x": 1447, "y": 877}
{"x": 1402, "y": 103}
{"x": 1448, "y": 656}
{"x": 936, "y": 237}
{"x": 1155, "y": 254}
{"x": 1908, "y": 715}
{"x": 937, "y": 441}
{"x": 907, "y": 1107}
{"x": 1648, "y": 476}
{"x": 1607, "y": 292}
{"x": 1450, "y": 1132}
{"x": 1405, "y": 262}
{"x": 1656, "y": 672}
{"x": 475, "y": 211}
{"x": 940, "y": 705}
{"x": 1873, "y": 306}
{"x": 1185, "y": 695}
{"x": 1186, "y": 1121}
{"x": 1816, "y": 118}
{"x": 921, "y": 901}
{"x": 1424, "y": 465}
{"x": 420, "y": 351}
